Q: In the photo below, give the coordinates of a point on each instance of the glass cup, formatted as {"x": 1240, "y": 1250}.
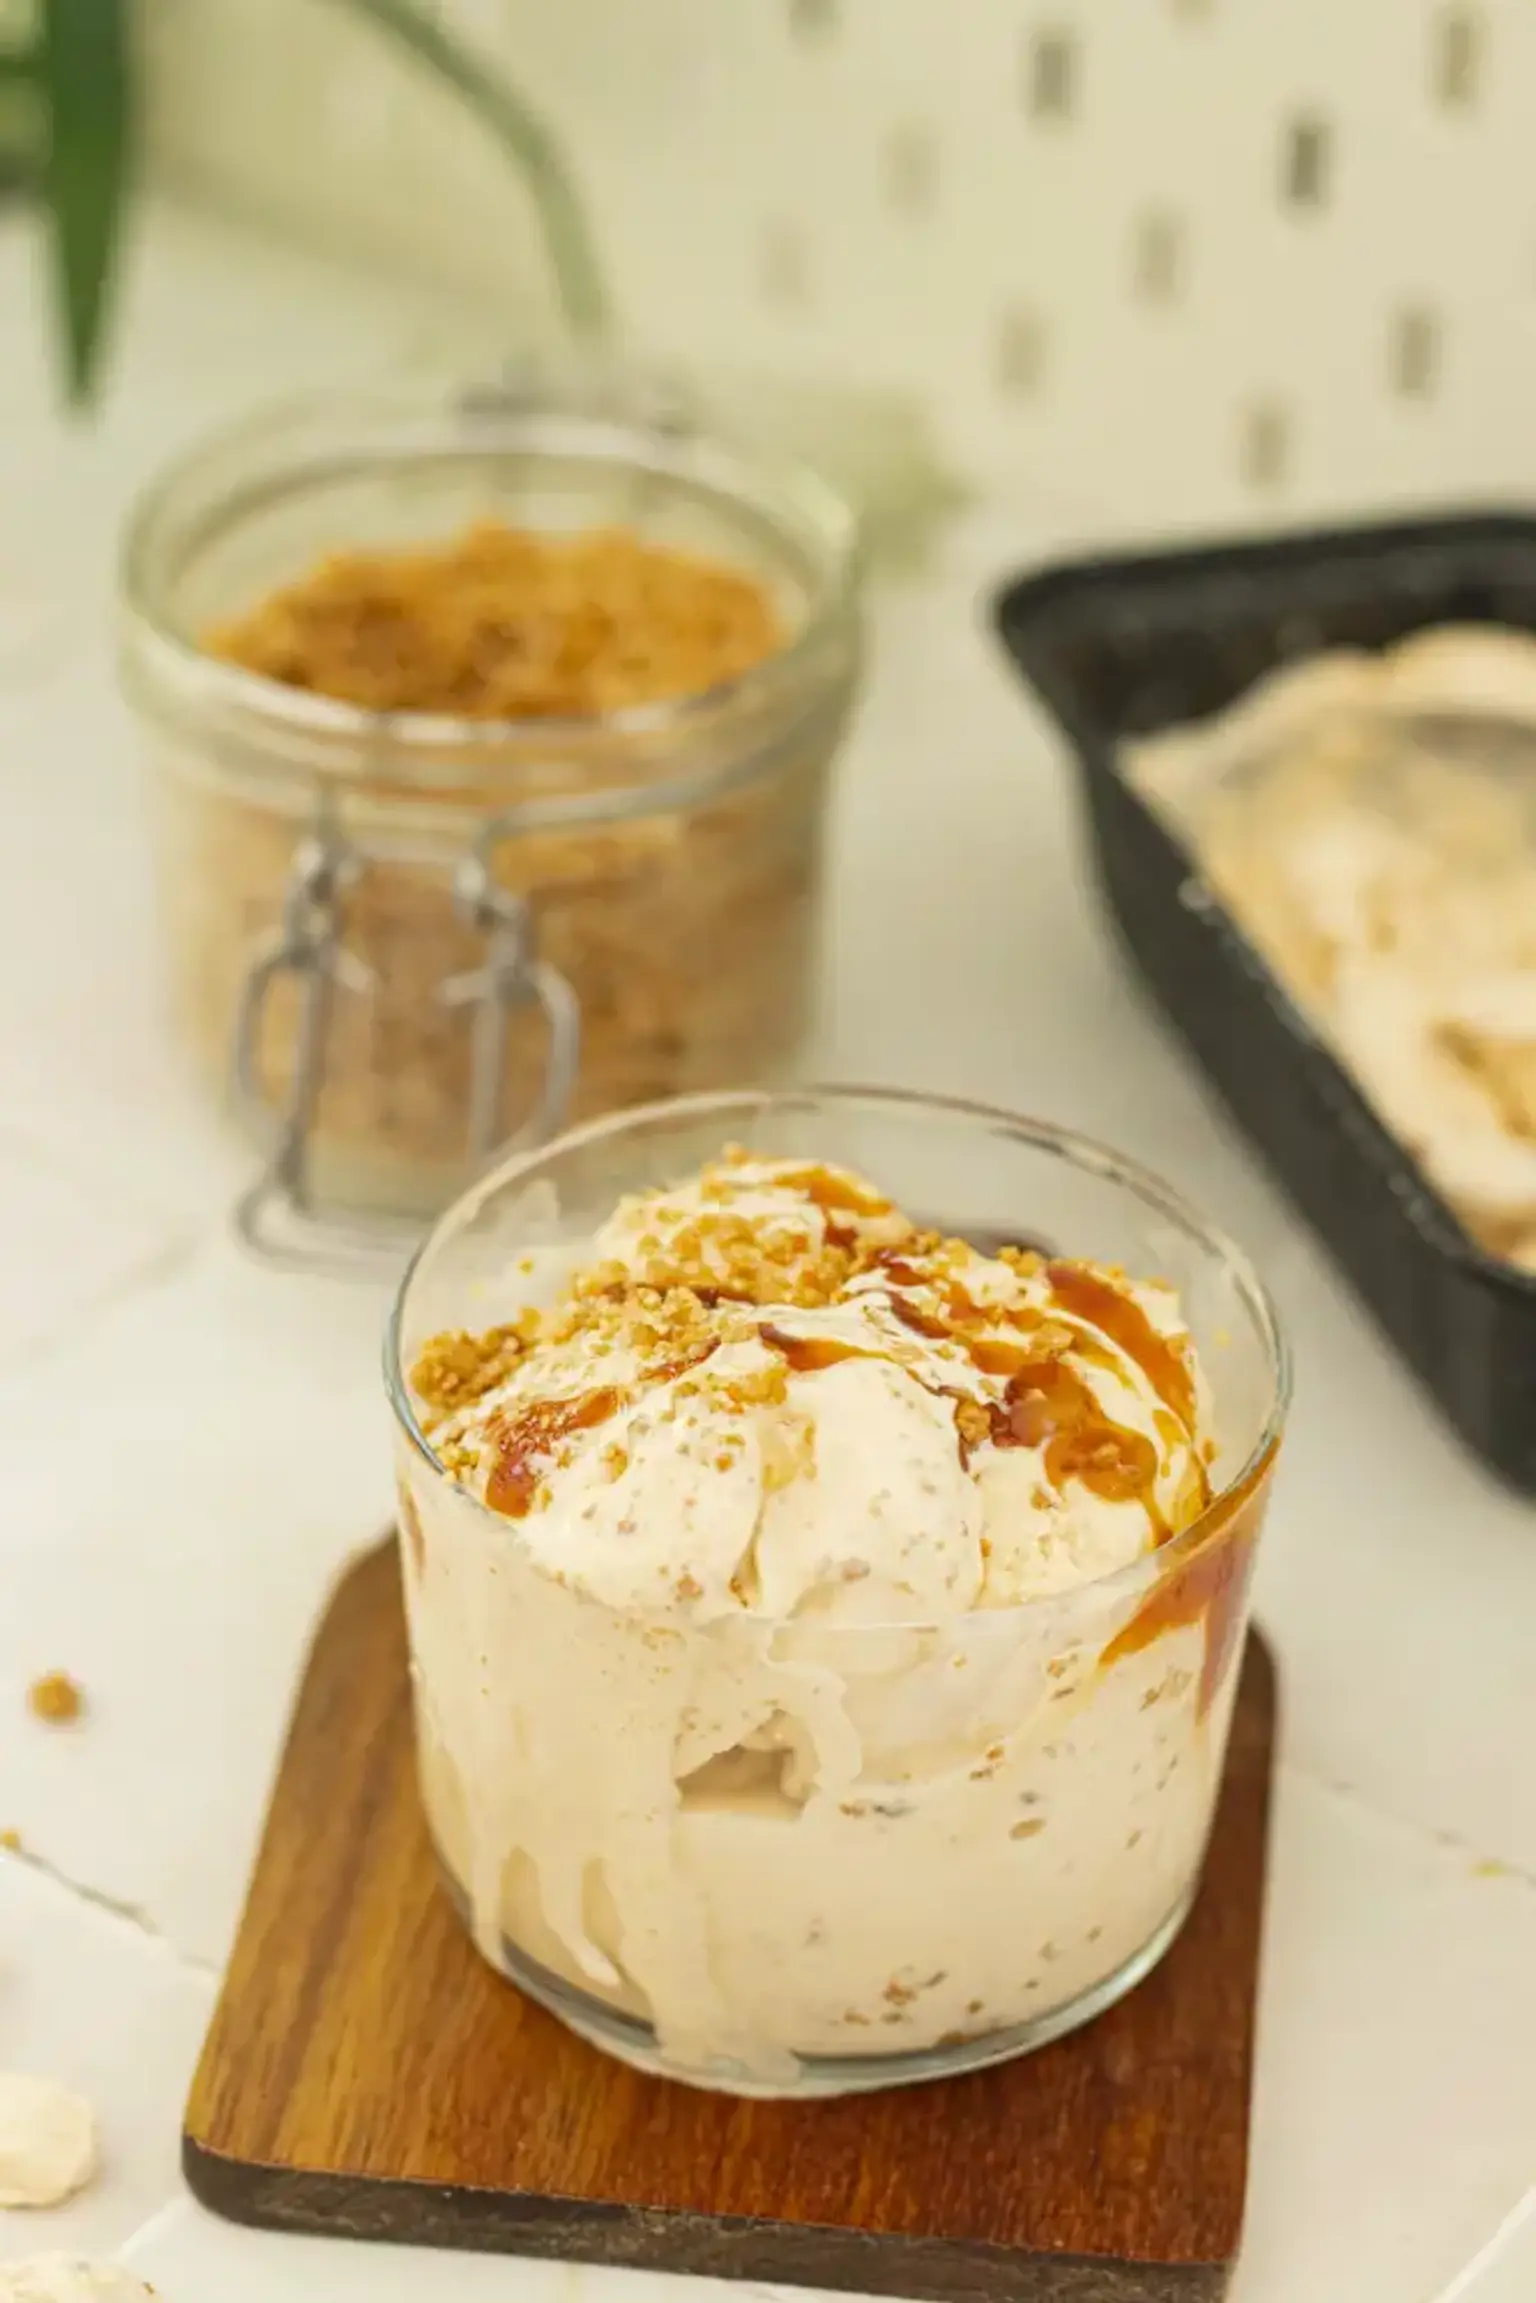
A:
{"x": 973, "y": 1834}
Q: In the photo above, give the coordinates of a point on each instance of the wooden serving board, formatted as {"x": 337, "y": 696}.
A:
{"x": 366, "y": 2074}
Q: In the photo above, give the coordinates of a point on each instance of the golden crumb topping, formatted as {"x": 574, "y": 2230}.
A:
{"x": 689, "y": 1286}
{"x": 727, "y": 1260}
{"x": 56, "y": 1698}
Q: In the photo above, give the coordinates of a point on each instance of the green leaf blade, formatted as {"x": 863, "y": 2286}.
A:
{"x": 86, "y": 69}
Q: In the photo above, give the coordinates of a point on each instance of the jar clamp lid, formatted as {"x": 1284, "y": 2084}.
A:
{"x": 396, "y": 1023}
{"x": 280, "y": 1216}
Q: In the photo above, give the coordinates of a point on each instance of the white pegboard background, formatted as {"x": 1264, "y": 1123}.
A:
{"x": 1168, "y": 260}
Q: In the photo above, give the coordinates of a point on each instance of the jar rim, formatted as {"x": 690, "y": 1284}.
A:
{"x": 195, "y": 498}
{"x": 740, "y": 1105}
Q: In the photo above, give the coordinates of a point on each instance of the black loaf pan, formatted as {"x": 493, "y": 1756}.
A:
{"x": 1119, "y": 648}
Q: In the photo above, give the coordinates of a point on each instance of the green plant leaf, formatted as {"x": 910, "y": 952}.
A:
{"x": 23, "y": 118}
{"x": 572, "y": 252}
{"x": 86, "y": 72}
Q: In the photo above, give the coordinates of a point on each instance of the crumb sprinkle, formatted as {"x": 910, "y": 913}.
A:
{"x": 56, "y": 1699}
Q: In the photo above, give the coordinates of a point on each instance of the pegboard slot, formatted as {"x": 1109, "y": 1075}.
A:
{"x": 1415, "y": 352}
{"x": 1458, "y": 48}
{"x": 1157, "y": 263}
{"x": 1307, "y": 162}
{"x": 1264, "y": 454}
{"x": 813, "y": 19}
{"x": 1051, "y": 74}
{"x": 784, "y": 265}
{"x": 912, "y": 168}
{"x": 1020, "y": 354}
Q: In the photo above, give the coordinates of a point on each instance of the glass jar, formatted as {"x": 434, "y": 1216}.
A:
{"x": 1004, "y": 1822}
{"x": 404, "y": 941}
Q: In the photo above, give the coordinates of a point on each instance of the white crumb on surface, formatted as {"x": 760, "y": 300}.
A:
{"x": 47, "y": 2142}
{"x": 69, "y": 2279}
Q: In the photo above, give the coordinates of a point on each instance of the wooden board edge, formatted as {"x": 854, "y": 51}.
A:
{"x": 365, "y": 2208}
{"x": 348, "y": 1589}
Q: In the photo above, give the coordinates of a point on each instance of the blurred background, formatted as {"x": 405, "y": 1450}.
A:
{"x": 1203, "y": 256}
{"x": 1202, "y": 259}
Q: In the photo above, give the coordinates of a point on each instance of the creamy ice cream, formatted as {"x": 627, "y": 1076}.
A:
{"x": 1368, "y": 819}
{"x": 777, "y": 1684}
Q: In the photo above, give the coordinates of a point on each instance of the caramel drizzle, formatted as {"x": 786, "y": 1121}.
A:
{"x": 1045, "y": 1403}
{"x": 521, "y": 1440}
{"x": 804, "y": 1354}
{"x": 1209, "y": 1584}
{"x": 835, "y": 1194}
{"x": 1084, "y": 1296}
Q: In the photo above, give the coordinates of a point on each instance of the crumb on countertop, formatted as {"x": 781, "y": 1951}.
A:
{"x": 56, "y": 1698}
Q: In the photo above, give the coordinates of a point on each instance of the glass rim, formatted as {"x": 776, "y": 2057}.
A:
{"x": 1070, "y": 1144}
{"x": 402, "y": 426}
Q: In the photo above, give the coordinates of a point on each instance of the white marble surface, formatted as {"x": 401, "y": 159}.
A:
{"x": 189, "y": 1446}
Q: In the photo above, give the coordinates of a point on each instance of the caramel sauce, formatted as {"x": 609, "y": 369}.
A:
{"x": 924, "y": 1323}
{"x": 1083, "y": 1295}
{"x": 521, "y": 1439}
{"x": 1047, "y": 1404}
{"x": 835, "y": 1194}
{"x": 992, "y": 1355}
{"x": 1210, "y": 1583}
{"x": 965, "y": 1313}
{"x": 806, "y": 1353}
{"x": 898, "y": 1270}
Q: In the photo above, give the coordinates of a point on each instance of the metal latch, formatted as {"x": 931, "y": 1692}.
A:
{"x": 279, "y": 1216}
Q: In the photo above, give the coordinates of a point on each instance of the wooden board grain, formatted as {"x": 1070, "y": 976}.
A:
{"x": 366, "y": 2074}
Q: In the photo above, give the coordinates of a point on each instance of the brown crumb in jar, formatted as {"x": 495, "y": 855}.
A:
{"x": 56, "y": 1698}
{"x": 685, "y": 931}
{"x": 504, "y": 623}
{"x": 1028, "y": 1830}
